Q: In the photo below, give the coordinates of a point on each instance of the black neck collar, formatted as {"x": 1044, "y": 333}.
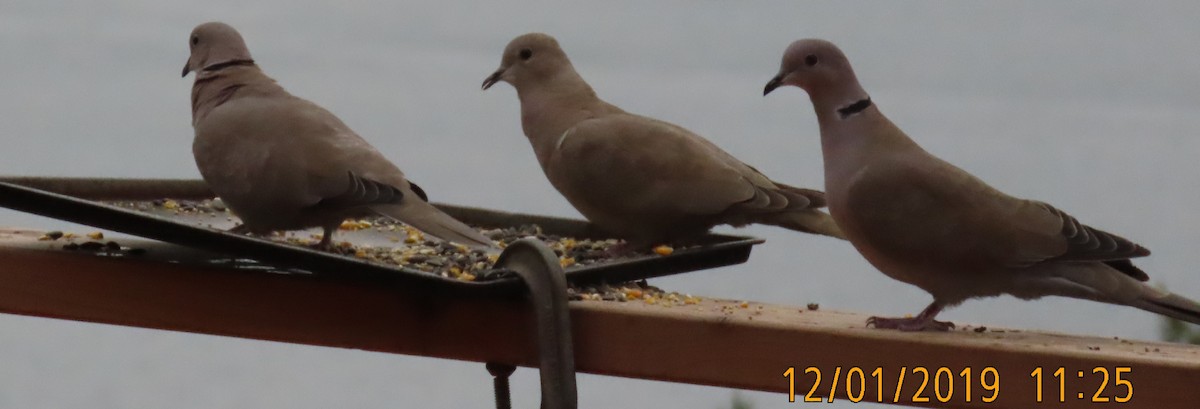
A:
{"x": 228, "y": 64}
{"x": 861, "y": 105}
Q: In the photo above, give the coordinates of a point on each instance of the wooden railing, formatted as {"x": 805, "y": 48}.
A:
{"x": 713, "y": 342}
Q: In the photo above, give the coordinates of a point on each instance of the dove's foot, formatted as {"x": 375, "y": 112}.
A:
{"x": 909, "y": 324}
{"x": 326, "y": 243}
{"x": 922, "y": 322}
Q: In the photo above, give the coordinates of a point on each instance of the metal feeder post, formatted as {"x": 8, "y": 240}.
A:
{"x": 538, "y": 268}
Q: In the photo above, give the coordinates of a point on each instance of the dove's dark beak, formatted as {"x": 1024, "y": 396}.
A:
{"x": 187, "y": 67}
{"x": 772, "y": 84}
{"x": 493, "y": 79}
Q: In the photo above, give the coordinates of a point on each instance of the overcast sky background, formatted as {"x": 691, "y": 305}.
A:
{"x": 1088, "y": 105}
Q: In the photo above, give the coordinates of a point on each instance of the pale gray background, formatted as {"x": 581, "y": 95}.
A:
{"x": 1089, "y": 105}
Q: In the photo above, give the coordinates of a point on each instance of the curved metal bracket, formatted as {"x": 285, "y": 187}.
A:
{"x": 538, "y": 268}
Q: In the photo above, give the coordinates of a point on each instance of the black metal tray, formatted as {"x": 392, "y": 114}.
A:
{"x": 27, "y": 195}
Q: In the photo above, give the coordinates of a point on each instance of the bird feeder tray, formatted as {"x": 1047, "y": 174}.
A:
{"x": 109, "y": 204}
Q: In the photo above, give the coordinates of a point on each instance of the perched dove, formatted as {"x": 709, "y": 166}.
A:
{"x": 639, "y": 178}
{"x": 281, "y": 162}
{"x": 928, "y": 223}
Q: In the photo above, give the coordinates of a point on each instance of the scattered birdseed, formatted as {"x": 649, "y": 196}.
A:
{"x": 95, "y": 235}
{"x": 413, "y": 250}
{"x": 636, "y": 291}
{"x": 111, "y": 248}
{"x": 355, "y": 225}
{"x": 566, "y": 261}
{"x": 51, "y": 235}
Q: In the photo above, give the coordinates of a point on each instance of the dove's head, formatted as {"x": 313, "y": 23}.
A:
{"x": 818, "y": 67}
{"x": 215, "y": 43}
{"x": 529, "y": 58}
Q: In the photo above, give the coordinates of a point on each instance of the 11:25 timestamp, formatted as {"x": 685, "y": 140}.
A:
{"x": 1107, "y": 377}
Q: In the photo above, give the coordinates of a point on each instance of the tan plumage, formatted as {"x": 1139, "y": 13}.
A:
{"x": 925, "y": 222}
{"x": 281, "y": 162}
{"x": 643, "y": 179}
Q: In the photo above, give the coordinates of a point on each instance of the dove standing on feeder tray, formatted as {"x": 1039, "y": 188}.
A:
{"x": 925, "y": 222}
{"x": 642, "y": 179}
{"x": 283, "y": 163}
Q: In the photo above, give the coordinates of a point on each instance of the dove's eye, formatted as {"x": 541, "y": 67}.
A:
{"x": 526, "y": 54}
{"x": 195, "y": 40}
{"x": 811, "y": 60}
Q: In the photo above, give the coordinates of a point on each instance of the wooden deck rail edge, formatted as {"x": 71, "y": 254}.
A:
{"x": 721, "y": 343}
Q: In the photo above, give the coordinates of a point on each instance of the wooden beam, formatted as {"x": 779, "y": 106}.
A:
{"x": 715, "y": 342}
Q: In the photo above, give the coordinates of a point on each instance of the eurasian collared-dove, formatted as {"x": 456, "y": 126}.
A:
{"x": 642, "y": 179}
{"x": 283, "y": 163}
{"x": 928, "y": 223}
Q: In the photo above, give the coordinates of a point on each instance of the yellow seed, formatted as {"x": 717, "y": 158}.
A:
{"x": 467, "y": 277}
{"x": 360, "y": 253}
{"x": 651, "y": 301}
{"x": 354, "y": 225}
{"x": 95, "y": 235}
{"x": 566, "y": 261}
{"x": 412, "y": 231}
{"x": 744, "y": 305}
{"x": 664, "y": 250}
{"x": 171, "y": 204}
{"x": 691, "y": 300}
{"x": 633, "y": 293}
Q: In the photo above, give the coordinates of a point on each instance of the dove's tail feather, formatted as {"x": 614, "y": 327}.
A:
{"x": 812, "y": 198}
{"x": 1102, "y": 282}
{"x": 805, "y": 220}
{"x": 1105, "y": 283}
{"x": 432, "y": 221}
{"x": 1172, "y": 305}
